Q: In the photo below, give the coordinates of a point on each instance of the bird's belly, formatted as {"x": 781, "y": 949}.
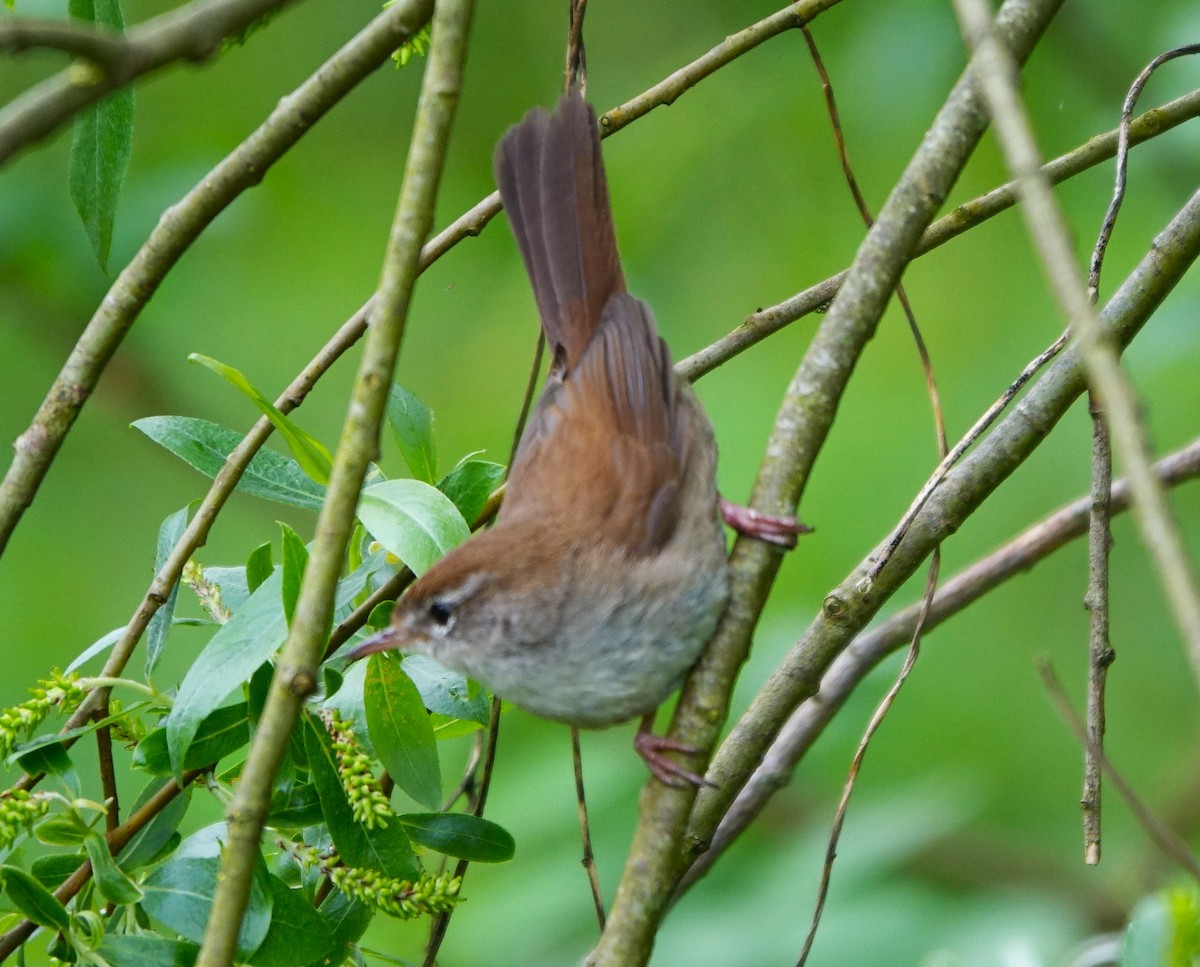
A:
{"x": 619, "y": 657}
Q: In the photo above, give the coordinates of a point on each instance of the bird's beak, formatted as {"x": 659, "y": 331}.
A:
{"x": 389, "y": 637}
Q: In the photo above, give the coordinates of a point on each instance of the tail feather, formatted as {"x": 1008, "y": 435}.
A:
{"x": 551, "y": 180}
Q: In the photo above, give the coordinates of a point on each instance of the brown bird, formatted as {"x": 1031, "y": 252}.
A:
{"x": 605, "y": 574}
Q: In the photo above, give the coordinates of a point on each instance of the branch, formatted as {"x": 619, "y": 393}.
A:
{"x": 179, "y": 227}
{"x": 658, "y": 857}
{"x": 849, "y": 606}
{"x": 192, "y": 33}
{"x": 1048, "y": 232}
{"x": 296, "y": 670}
{"x": 868, "y": 649}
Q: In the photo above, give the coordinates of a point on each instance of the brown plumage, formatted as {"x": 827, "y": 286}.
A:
{"x": 605, "y": 574}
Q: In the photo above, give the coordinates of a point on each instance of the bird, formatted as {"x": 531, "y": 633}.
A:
{"x": 605, "y": 573}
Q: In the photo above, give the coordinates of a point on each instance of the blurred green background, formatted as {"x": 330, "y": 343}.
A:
{"x": 962, "y": 844}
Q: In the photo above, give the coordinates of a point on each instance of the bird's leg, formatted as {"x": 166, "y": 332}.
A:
{"x": 772, "y": 528}
{"x": 653, "y": 747}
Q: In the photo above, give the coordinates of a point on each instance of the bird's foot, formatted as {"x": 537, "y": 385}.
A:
{"x": 772, "y": 528}
{"x": 653, "y": 748}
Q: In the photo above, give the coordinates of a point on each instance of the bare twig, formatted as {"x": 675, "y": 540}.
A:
{"x": 575, "y": 74}
{"x": 1048, "y": 232}
{"x": 977, "y": 430}
{"x": 939, "y": 423}
{"x": 585, "y": 830}
{"x": 868, "y": 649}
{"x": 881, "y": 710}
{"x": 1114, "y": 206}
{"x": 190, "y": 33}
{"x": 1160, "y": 834}
{"x": 1100, "y": 653}
{"x": 296, "y": 671}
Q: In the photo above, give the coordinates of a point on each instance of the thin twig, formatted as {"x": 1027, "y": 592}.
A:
{"x": 939, "y": 424}
{"x": 585, "y": 830}
{"x": 441, "y": 923}
{"x": 1100, "y": 652}
{"x": 1114, "y": 206}
{"x": 1160, "y": 834}
{"x": 948, "y": 462}
{"x": 108, "y": 775}
{"x": 1049, "y": 235}
{"x": 296, "y": 671}
{"x": 575, "y": 74}
{"x": 869, "y": 648}
{"x": 190, "y": 33}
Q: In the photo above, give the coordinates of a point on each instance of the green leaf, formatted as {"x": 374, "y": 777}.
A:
{"x": 461, "y": 835}
{"x": 238, "y": 648}
{"x": 447, "y": 692}
{"x": 412, "y": 520}
{"x": 310, "y": 453}
{"x": 470, "y": 484}
{"x": 52, "y": 871}
{"x": 205, "y": 446}
{"x": 67, "y": 830}
{"x": 109, "y": 878}
{"x": 179, "y": 893}
{"x": 259, "y": 566}
{"x": 51, "y": 758}
{"x": 401, "y": 732}
{"x": 223, "y": 732}
{"x": 298, "y": 935}
{"x": 32, "y": 899}
{"x": 295, "y": 807}
{"x": 412, "y": 426}
{"x": 348, "y": 920}
{"x": 147, "y": 950}
{"x": 101, "y": 143}
{"x": 169, "y": 533}
{"x": 386, "y": 849}
{"x": 1147, "y": 938}
{"x": 295, "y": 557}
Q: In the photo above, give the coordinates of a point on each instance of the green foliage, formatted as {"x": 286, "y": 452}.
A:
{"x": 102, "y": 143}
{"x": 376, "y": 716}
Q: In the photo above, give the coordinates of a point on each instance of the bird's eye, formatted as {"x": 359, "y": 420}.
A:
{"x": 441, "y": 613}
